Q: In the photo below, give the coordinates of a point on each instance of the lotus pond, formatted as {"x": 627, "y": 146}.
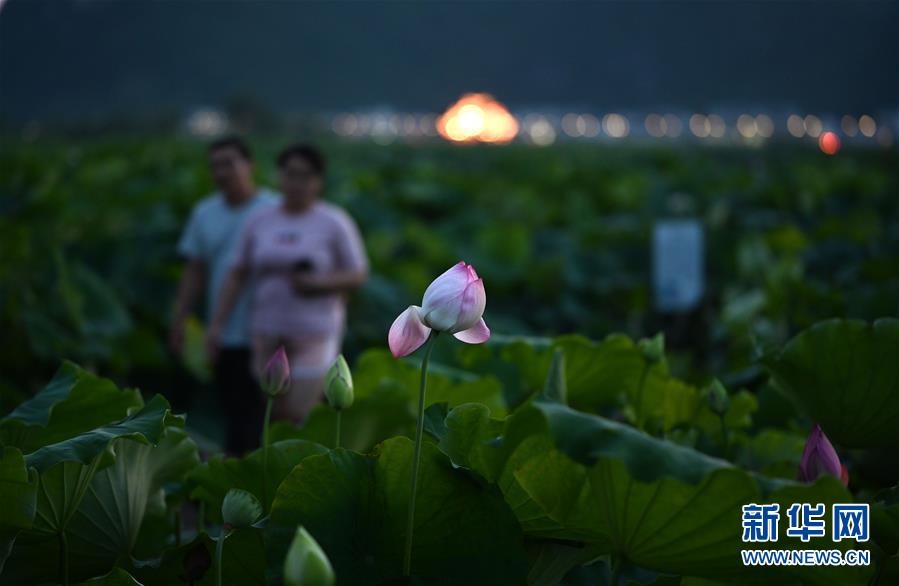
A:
{"x": 576, "y": 446}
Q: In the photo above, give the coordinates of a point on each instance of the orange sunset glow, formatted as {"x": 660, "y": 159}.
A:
{"x": 477, "y": 118}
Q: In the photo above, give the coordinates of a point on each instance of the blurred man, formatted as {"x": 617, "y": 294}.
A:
{"x": 207, "y": 245}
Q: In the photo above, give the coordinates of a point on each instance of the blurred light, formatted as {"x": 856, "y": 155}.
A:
{"x": 383, "y": 129}
{"x": 615, "y": 125}
{"x": 746, "y": 126}
{"x": 764, "y": 125}
{"x": 829, "y": 143}
{"x": 410, "y": 125}
{"x": 700, "y": 126}
{"x": 477, "y": 117}
{"x": 345, "y": 125}
{"x": 591, "y": 125}
{"x": 813, "y": 126}
{"x": 540, "y": 131}
{"x": 363, "y": 124}
{"x": 796, "y": 126}
{"x": 656, "y": 125}
{"x": 206, "y": 123}
{"x": 849, "y": 125}
{"x": 572, "y": 125}
{"x": 674, "y": 125}
{"x": 867, "y": 126}
{"x": 717, "y": 127}
{"x": 428, "y": 125}
{"x": 885, "y": 136}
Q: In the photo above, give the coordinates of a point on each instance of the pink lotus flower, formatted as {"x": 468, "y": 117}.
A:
{"x": 276, "y": 376}
{"x": 454, "y": 302}
{"x": 819, "y": 458}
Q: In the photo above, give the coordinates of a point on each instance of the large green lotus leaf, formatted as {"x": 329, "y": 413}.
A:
{"x": 466, "y": 435}
{"x": 73, "y": 402}
{"x": 18, "y": 495}
{"x": 377, "y": 370}
{"x": 666, "y": 507}
{"x": 107, "y": 523}
{"x": 355, "y": 506}
{"x": 845, "y": 376}
{"x": 613, "y": 373}
{"x": 371, "y": 420}
{"x": 147, "y": 425}
{"x": 72, "y": 473}
{"x": 579, "y": 478}
{"x": 586, "y": 438}
{"x": 214, "y": 478}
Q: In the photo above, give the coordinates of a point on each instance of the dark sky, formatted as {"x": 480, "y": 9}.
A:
{"x": 95, "y": 57}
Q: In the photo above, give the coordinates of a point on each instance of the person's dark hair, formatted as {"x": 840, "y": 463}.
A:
{"x": 309, "y": 153}
{"x": 232, "y": 142}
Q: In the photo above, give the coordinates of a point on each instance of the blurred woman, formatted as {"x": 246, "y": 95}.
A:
{"x": 300, "y": 259}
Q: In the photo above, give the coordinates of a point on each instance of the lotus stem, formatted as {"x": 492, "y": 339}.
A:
{"x": 63, "y": 558}
{"x": 638, "y": 408}
{"x": 265, "y": 441}
{"x": 616, "y": 571}
{"x": 337, "y": 431}
{"x": 419, "y": 430}
{"x": 219, "y": 554}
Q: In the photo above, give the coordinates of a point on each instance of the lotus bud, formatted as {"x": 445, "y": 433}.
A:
{"x": 276, "y": 376}
{"x": 339, "y": 384}
{"x": 653, "y": 349}
{"x": 454, "y": 302}
{"x": 240, "y": 509}
{"x": 306, "y": 564}
{"x": 820, "y": 458}
{"x": 717, "y": 397}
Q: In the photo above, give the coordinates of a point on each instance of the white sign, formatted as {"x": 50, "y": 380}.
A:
{"x": 678, "y": 273}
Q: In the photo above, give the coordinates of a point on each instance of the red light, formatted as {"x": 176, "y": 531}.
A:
{"x": 829, "y": 143}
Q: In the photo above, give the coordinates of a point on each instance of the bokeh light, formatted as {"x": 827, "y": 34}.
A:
{"x": 829, "y": 143}
{"x": 849, "y": 125}
{"x": 674, "y": 126}
{"x": 746, "y": 126}
{"x": 539, "y": 130}
{"x": 700, "y": 126}
{"x": 813, "y": 126}
{"x": 615, "y": 125}
{"x": 764, "y": 125}
{"x": 656, "y": 125}
{"x": 796, "y": 126}
{"x": 867, "y": 126}
{"x": 477, "y": 118}
{"x": 717, "y": 127}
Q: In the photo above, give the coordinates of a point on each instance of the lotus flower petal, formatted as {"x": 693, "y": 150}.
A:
{"x": 442, "y": 300}
{"x": 477, "y": 334}
{"x": 819, "y": 458}
{"x": 474, "y": 300}
{"x": 407, "y": 333}
{"x": 276, "y": 375}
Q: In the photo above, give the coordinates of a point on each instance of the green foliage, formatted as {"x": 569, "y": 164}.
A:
{"x": 18, "y": 493}
{"x": 355, "y": 506}
{"x": 94, "y": 485}
{"x": 843, "y": 374}
{"x": 73, "y": 402}
{"x": 211, "y": 481}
